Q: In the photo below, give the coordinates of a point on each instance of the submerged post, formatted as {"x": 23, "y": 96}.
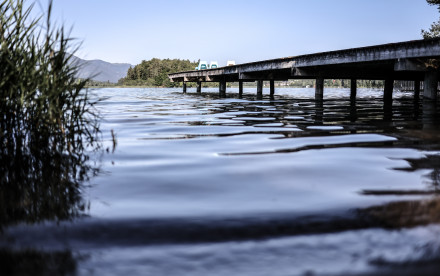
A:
{"x": 259, "y": 89}
{"x": 199, "y": 87}
{"x": 240, "y": 89}
{"x": 184, "y": 87}
{"x": 272, "y": 88}
{"x": 353, "y": 89}
{"x": 388, "y": 90}
{"x": 416, "y": 90}
{"x": 222, "y": 89}
{"x": 430, "y": 85}
{"x": 319, "y": 88}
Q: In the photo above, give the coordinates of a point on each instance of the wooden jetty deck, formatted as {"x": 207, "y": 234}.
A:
{"x": 417, "y": 60}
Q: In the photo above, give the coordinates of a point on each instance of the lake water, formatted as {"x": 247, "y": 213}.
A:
{"x": 202, "y": 185}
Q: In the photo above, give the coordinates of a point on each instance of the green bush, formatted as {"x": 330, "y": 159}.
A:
{"x": 154, "y": 72}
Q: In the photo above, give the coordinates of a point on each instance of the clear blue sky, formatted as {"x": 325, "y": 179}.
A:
{"x": 242, "y": 30}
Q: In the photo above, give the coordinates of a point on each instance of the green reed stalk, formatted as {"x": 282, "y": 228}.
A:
{"x": 47, "y": 121}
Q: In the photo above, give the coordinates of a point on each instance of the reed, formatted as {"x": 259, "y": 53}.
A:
{"x": 48, "y": 123}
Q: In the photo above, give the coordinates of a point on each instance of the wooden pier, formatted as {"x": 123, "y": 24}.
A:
{"x": 417, "y": 60}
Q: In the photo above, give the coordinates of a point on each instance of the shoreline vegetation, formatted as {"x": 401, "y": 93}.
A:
{"x": 154, "y": 74}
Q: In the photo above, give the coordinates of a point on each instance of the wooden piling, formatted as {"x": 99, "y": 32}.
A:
{"x": 272, "y": 88}
{"x": 353, "y": 89}
{"x": 319, "y": 88}
{"x": 259, "y": 89}
{"x": 199, "y": 87}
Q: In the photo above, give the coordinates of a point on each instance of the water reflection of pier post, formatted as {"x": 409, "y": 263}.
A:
{"x": 429, "y": 114}
{"x": 319, "y": 112}
{"x": 430, "y": 85}
{"x": 353, "y": 110}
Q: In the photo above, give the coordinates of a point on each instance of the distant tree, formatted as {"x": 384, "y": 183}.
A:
{"x": 434, "y": 2}
{"x": 131, "y": 74}
{"x": 155, "y": 72}
{"x": 434, "y": 30}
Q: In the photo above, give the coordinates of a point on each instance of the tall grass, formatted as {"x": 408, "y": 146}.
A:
{"x": 48, "y": 124}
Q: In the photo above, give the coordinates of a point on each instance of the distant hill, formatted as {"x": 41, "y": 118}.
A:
{"x": 100, "y": 70}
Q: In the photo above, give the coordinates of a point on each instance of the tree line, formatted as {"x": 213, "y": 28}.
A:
{"x": 155, "y": 72}
{"x": 434, "y": 30}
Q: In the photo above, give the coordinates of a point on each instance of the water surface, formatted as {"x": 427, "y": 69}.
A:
{"x": 201, "y": 185}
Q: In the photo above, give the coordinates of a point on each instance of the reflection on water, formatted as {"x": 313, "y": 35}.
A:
{"x": 31, "y": 262}
{"x": 429, "y": 162}
{"x": 404, "y": 213}
{"x": 40, "y": 185}
{"x": 206, "y": 186}
{"x": 44, "y": 164}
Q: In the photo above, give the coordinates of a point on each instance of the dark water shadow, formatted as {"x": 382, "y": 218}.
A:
{"x": 32, "y": 262}
{"x": 104, "y": 233}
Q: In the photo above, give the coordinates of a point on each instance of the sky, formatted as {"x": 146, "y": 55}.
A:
{"x": 130, "y": 31}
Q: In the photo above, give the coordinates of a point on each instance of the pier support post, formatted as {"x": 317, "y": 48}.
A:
{"x": 259, "y": 89}
{"x": 416, "y": 90}
{"x": 430, "y": 86}
{"x": 353, "y": 89}
{"x": 222, "y": 89}
{"x": 388, "y": 91}
{"x": 184, "y": 87}
{"x": 319, "y": 88}
{"x": 272, "y": 88}
{"x": 199, "y": 87}
{"x": 240, "y": 89}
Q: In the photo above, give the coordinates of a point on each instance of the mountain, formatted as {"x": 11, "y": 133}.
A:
{"x": 100, "y": 70}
